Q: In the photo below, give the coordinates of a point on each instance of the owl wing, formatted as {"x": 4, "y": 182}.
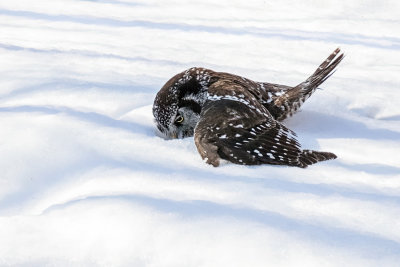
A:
{"x": 227, "y": 130}
{"x": 234, "y": 126}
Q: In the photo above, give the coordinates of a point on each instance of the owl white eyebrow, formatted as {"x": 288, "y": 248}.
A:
{"x": 193, "y": 105}
{"x": 193, "y": 97}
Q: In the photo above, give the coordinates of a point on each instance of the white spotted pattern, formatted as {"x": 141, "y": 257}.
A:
{"x": 239, "y": 119}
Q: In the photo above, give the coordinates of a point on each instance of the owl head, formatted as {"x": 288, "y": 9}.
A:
{"x": 178, "y": 104}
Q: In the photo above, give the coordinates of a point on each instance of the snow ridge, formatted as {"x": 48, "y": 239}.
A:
{"x": 86, "y": 181}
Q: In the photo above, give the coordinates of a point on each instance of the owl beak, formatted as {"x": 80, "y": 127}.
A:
{"x": 174, "y": 135}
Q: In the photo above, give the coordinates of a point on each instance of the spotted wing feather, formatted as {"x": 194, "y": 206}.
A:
{"x": 236, "y": 131}
{"x": 269, "y": 142}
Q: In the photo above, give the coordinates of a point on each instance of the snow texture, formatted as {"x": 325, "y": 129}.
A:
{"x": 86, "y": 180}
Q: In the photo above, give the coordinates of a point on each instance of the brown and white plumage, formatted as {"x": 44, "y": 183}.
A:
{"x": 237, "y": 119}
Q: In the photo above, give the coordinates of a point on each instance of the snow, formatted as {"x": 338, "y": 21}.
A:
{"x": 87, "y": 181}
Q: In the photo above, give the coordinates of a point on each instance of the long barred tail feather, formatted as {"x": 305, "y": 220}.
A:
{"x": 289, "y": 102}
{"x": 324, "y": 71}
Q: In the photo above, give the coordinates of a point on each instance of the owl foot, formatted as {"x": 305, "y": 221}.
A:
{"x": 208, "y": 152}
{"x": 214, "y": 161}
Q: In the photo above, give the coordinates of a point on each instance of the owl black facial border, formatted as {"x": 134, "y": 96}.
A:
{"x": 237, "y": 119}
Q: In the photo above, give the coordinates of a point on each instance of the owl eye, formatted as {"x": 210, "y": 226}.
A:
{"x": 179, "y": 119}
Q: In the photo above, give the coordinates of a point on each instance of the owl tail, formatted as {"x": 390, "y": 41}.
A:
{"x": 324, "y": 71}
{"x": 291, "y": 101}
{"x": 308, "y": 157}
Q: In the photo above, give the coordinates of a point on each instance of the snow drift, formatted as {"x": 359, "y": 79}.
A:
{"x": 86, "y": 181}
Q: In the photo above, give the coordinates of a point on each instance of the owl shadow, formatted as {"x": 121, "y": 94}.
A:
{"x": 312, "y": 125}
{"x": 89, "y": 116}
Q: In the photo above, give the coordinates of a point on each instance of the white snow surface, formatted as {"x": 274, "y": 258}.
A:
{"x": 85, "y": 180}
